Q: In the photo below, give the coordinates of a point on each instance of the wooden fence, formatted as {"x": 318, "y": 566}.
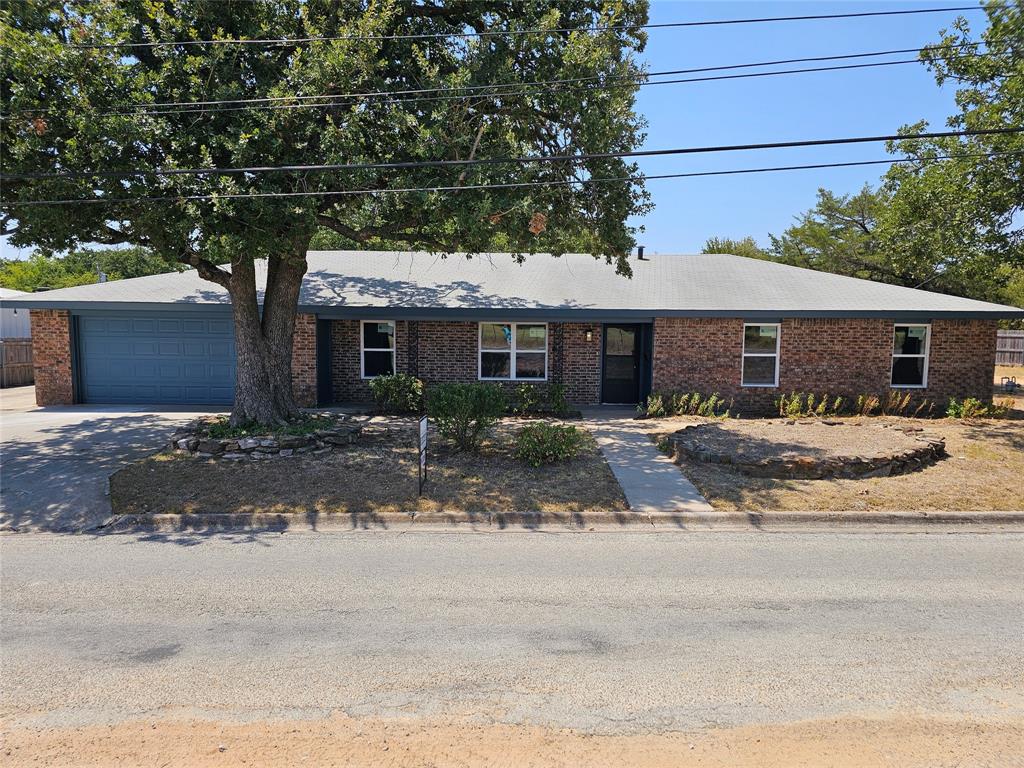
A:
{"x": 15, "y": 362}
{"x": 1010, "y": 347}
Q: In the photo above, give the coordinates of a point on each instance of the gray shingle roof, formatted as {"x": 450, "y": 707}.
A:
{"x": 378, "y": 284}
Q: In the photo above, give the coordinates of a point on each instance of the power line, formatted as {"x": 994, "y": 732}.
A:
{"x": 510, "y": 93}
{"x": 506, "y": 185}
{"x": 521, "y": 32}
{"x": 158, "y": 108}
{"x": 414, "y": 164}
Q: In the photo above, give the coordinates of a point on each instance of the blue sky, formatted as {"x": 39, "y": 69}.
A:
{"x": 784, "y": 108}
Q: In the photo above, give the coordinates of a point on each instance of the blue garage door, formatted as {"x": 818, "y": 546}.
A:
{"x": 159, "y": 359}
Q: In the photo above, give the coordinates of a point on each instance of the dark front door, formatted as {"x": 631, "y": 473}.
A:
{"x": 620, "y": 381}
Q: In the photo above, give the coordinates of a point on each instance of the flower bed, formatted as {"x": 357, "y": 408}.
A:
{"x": 808, "y": 450}
{"x": 325, "y": 434}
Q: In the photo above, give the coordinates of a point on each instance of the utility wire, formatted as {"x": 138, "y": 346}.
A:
{"x": 158, "y": 107}
{"x": 522, "y": 32}
{"x": 506, "y": 185}
{"x": 513, "y": 93}
{"x": 414, "y": 164}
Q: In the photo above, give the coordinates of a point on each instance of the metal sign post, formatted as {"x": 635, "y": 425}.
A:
{"x": 423, "y": 453}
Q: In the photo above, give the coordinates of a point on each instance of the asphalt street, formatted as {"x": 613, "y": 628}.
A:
{"x": 606, "y": 631}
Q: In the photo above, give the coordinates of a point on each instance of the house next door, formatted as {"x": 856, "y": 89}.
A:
{"x": 620, "y": 382}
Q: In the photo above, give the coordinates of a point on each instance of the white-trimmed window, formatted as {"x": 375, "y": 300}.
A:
{"x": 910, "y": 355}
{"x": 760, "y": 355}
{"x": 376, "y": 348}
{"x": 513, "y": 351}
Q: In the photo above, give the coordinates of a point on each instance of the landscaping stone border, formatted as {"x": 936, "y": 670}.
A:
{"x": 191, "y": 439}
{"x": 685, "y": 443}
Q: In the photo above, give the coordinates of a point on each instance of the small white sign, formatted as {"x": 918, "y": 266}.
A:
{"x": 423, "y": 433}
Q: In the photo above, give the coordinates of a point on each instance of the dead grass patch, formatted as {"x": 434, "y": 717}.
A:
{"x": 376, "y": 474}
{"x": 983, "y": 471}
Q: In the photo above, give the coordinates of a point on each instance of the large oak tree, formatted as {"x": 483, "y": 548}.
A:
{"x": 81, "y": 95}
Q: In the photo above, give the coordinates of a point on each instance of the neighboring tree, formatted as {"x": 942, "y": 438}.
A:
{"x": 80, "y": 267}
{"x": 963, "y": 219}
{"x": 746, "y": 247}
{"x": 69, "y": 107}
{"x": 839, "y": 235}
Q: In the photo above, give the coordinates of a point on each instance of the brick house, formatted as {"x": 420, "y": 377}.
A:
{"x": 744, "y": 328}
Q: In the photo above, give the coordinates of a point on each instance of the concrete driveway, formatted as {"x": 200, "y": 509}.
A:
{"x": 54, "y": 462}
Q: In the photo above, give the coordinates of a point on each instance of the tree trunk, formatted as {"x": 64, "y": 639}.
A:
{"x": 263, "y": 342}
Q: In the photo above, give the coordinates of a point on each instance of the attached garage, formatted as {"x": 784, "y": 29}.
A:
{"x": 159, "y": 359}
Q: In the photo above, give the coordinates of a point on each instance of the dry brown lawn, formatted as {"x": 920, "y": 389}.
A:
{"x": 377, "y": 474}
{"x": 983, "y": 471}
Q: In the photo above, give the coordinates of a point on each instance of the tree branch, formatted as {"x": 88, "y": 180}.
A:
{"x": 206, "y": 268}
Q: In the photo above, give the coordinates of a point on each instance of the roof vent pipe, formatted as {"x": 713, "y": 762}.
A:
{"x": 640, "y": 253}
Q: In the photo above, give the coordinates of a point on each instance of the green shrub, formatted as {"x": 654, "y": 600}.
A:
{"x": 397, "y": 393}
{"x": 220, "y": 427}
{"x": 685, "y": 404}
{"x": 526, "y": 400}
{"x": 557, "y": 400}
{"x": 541, "y": 443}
{"x": 973, "y": 408}
{"x": 463, "y": 413}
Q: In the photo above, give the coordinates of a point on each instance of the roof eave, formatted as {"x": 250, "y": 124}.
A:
{"x": 535, "y": 313}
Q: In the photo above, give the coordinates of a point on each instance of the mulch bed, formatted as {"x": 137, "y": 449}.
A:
{"x": 377, "y": 473}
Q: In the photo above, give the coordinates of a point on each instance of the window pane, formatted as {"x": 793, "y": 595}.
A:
{"x": 531, "y": 337}
{"x": 907, "y": 371}
{"x": 378, "y": 363}
{"x": 378, "y": 336}
{"x": 619, "y": 367}
{"x": 759, "y": 370}
{"x": 760, "y": 338}
{"x": 620, "y": 341}
{"x": 495, "y": 365}
{"x": 495, "y": 336}
{"x": 530, "y": 365}
{"x": 909, "y": 339}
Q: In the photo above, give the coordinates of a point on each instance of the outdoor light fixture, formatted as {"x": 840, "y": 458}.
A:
{"x": 590, "y": 335}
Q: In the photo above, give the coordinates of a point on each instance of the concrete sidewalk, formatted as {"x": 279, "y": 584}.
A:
{"x": 651, "y": 481}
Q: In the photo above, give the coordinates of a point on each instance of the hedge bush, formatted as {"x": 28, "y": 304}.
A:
{"x": 538, "y": 444}
{"x": 397, "y": 393}
{"x": 464, "y": 413}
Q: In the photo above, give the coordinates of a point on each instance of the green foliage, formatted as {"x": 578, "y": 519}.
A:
{"x": 747, "y": 246}
{"x": 464, "y": 413}
{"x": 684, "y": 404}
{"x": 80, "y": 268}
{"x": 397, "y": 393}
{"x": 58, "y": 98}
{"x": 895, "y": 403}
{"x": 557, "y": 400}
{"x": 530, "y": 399}
{"x": 538, "y": 444}
{"x": 957, "y": 223}
{"x": 972, "y": 408}
{"x": 527, "y": 400}
{"x": 220, "y": 428}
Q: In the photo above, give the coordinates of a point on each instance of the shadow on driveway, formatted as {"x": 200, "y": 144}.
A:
{"x": 55, "y": 462}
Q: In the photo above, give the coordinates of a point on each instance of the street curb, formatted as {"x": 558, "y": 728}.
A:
{"x": 227, "y": 522}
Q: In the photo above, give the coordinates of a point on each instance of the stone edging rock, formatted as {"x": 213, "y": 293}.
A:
{"x": 191, "y": 439}
{"x": 684, "y": 443}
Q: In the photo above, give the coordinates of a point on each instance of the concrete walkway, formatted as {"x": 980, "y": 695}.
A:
{"x": 651, "y": 481}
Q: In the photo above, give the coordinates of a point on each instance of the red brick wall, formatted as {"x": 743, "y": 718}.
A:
{"x": 447, "y": 351}
{"x": 304, "y": 361}
{"x": 839, "y": 356}
{"x": 347, "y": 386}
{"x": 51, "y": 356}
